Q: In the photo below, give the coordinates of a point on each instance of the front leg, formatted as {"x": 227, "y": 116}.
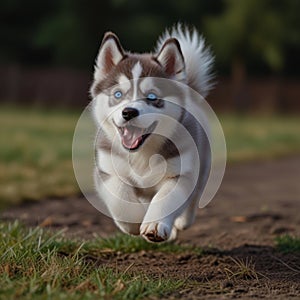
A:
{"x": 168, "y": 203}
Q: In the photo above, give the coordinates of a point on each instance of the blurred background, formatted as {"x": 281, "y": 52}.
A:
{"x": 46, "y": 62}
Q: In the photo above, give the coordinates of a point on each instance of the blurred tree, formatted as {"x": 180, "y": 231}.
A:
{"x": 66, "y": 32}
{"x": 19, "y": 21}
{"x": 251, "y": 29}
{"x": 291, "y": 23}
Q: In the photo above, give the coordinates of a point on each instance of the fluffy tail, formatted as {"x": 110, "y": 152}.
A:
{"x": 198, "y": 59}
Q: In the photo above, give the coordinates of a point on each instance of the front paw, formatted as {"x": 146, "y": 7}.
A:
{"x": 155, "y": 232}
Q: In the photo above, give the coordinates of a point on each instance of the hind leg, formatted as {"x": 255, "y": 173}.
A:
{"x": 121, "y": 202}
{"x": 129, "y": 228}
{"x": 187, "y": 218}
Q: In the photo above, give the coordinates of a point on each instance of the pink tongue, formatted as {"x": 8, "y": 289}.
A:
{"x": 132, "y": 137}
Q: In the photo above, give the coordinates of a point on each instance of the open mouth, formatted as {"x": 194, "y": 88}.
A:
{"x": 134, "y": 137}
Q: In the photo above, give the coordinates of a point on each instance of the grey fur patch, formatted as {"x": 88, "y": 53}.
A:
{"x": 103, "y": 143}
{"x": 144, "y": 192}
{"x": 169, "y": 150}
{"x": 103, "y": 175}
{"x": 151, "y": 68}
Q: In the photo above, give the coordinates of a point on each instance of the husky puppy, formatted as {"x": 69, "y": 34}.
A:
{"x": 146, "y": 166}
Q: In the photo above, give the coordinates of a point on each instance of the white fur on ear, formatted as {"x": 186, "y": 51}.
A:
{"x": 110, "y": 54}
{"x": 171, "y": 58}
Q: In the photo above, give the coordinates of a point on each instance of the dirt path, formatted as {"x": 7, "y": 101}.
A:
{"x": 256, "y": 203}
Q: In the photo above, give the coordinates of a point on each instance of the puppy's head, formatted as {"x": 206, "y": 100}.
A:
{"x": 130, "y": 97}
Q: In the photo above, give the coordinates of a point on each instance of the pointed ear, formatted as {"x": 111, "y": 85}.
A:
{"x": 110, "y": 54}
{"x": 171, "y": 58}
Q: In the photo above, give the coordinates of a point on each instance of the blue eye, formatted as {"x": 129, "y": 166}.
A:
{"x": 118, "y": 94}
{"x": 151, "y": 96}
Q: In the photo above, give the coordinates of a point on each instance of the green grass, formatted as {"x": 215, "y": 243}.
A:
{"x": 260, "y": 137}
{"x": 36, "y": 148}
{"x": 288, "y": 244}
{"x": 241, "y": 269}
{"x": 35, "y": 264}
{"x": 35, "y": 154}
{"x": 129, "y": 244}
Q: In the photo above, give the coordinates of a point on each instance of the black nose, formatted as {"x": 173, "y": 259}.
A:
{"x": 129, "y": 113}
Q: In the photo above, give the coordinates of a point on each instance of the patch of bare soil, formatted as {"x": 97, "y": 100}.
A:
{"x": 256, "y": 203}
